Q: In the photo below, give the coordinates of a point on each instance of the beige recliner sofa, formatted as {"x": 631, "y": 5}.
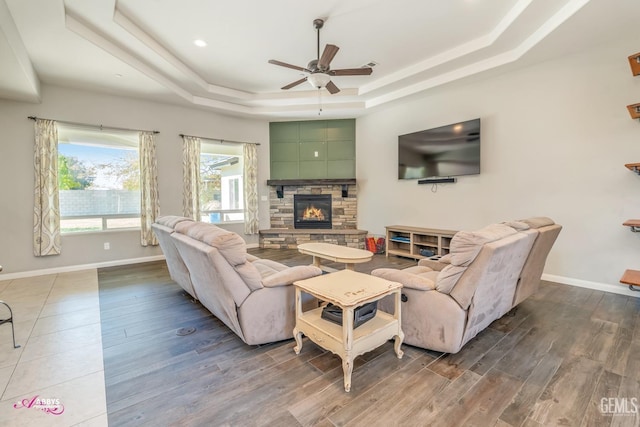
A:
{"x": 486, "y": 273}
{"x": 254, "y": 297}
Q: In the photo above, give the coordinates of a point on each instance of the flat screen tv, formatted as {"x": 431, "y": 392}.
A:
{"x": 445, "y": 151}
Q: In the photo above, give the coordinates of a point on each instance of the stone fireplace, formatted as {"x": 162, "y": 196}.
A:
{"x": 312, "y": 211}
{"x": 336, "y": 198}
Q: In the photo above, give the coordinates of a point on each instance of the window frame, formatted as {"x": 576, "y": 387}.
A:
{"x": 210, "y": 147}
{"x": 90, "y": 136}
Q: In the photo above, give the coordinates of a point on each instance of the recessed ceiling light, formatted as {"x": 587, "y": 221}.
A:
{"x": 200, "y": 43}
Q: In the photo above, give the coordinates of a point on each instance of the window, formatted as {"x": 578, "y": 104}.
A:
{"x": 99, "y": 179}
{"x": 221, "y": 182}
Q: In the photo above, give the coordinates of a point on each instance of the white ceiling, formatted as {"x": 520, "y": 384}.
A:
{"x": 144, "y": 48}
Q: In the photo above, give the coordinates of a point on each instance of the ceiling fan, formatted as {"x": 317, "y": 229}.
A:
{"x": 319, "y": 70}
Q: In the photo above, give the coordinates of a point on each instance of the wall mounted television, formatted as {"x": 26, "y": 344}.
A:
{"x": 445, "y": 151}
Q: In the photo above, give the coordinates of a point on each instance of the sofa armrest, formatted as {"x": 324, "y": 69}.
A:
{"x": 290, "y": 275}
{"x": 251, "y": 257}
{"x": 408, "y": 280}
{"x": 432, "y": 264}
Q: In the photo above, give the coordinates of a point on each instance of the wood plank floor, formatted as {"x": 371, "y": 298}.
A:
{"x": 563, "y": 357}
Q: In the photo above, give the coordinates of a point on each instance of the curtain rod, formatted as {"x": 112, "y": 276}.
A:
{"x": 98, "y": 126}
{"x": 218, "y": 139}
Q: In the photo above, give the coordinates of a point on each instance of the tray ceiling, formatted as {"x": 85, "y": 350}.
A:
{"x": 145, "y": 48}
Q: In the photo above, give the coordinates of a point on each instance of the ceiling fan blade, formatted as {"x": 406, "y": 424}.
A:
{"x": 352, "y": 72}
{"x": 330, "y": 51}
{"x": 332, "y": 88}
{"x": 284, "y": 64}
{"x": 296, "y": 83}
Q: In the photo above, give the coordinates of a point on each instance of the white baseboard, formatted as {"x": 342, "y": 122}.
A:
{"x": 604, "y": 287}
{"x": 56, "y": 270}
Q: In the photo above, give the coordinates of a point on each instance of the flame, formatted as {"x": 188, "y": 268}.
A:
{"x": 313, "y": 213}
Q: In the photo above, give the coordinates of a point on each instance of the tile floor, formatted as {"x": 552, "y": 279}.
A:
{"x": 57, "y": 324}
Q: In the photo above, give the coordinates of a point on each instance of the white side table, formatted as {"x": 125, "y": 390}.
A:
{"x": 348, "y": 289}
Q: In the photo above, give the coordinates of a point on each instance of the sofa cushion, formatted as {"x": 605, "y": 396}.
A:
{"x": 250, "y": 275}
{"x": 267, "y": 267}
{"x": 416, "y": 277}
{"x": 465, "y": 245}
{"x": 445, "y": 259}
{"x": 290, "y": 275}
{"x": 518, "y": 225}
{"x": 230, "y": 245}
{"x": 267, "y": 273}
{"x": 448, "y": 277}
{"x": 171, "y": 220}
{"x": 251, "y": 257}
{"x": 538, "y": 221}
{"x": 464, "y": 248}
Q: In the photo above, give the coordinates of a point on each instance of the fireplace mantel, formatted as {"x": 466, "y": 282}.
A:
{"x": 321, "y": 181}
{"x": 281, "y": 183}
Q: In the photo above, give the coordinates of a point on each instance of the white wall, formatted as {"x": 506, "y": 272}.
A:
{"x": 16, "y": 170}
{"x": 555, "y": 138}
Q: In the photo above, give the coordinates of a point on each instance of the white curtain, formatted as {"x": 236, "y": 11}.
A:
{"x": 149, "y": 202}
{"x": 46, "y": 206}
{"x": 251, "y": 220}
{"x": 191, "y": 177}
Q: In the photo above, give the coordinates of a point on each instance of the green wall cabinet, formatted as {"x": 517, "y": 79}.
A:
{"x": 313, "y": 149}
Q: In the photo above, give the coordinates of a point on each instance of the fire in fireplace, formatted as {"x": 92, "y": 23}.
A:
{"x": 312, "y": 210}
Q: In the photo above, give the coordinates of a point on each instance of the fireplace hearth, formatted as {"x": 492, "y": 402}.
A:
{"x": 312, "y": 211}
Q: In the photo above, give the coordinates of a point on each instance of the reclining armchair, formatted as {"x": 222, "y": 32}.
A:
{"x": 448, "y": 302}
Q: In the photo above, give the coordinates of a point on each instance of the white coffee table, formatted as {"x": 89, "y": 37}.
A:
{"x": 348, "y": 290}
{"x": 336, "y": 253}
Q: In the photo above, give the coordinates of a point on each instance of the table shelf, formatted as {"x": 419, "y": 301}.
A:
{"x": 381, "y": 321}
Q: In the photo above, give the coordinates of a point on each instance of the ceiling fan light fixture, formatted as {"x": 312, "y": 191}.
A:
{"x": 318, "y": 72}
{"x": 318, "y": 80}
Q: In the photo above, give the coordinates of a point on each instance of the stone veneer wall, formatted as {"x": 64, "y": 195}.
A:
{"x": 344, "y": 213}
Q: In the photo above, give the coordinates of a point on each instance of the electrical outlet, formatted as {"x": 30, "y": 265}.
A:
{"x": 107, "y": 246}
{"x": 315, "y": 153}
{"x": 263, "y": 198}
